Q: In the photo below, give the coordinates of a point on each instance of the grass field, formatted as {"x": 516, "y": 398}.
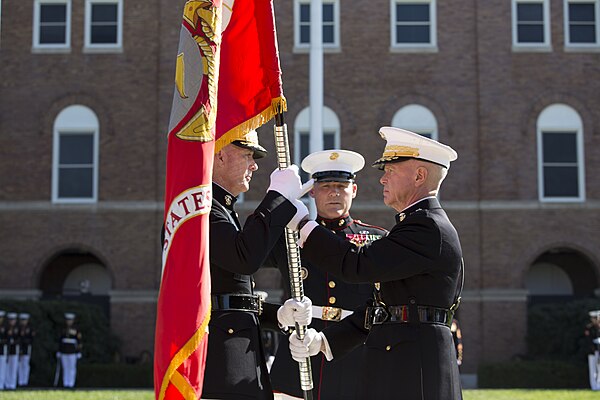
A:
{"x": 149, "y": 395}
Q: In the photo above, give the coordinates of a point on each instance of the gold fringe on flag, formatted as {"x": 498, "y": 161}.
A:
{"x": 174, "y": 377}
{"x": 278, "y": 105}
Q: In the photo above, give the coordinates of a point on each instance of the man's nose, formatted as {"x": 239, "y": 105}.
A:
{"x": 254, "y": 166}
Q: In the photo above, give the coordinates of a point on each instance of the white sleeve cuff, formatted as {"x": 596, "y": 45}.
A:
{"x": 305, "y": 232}
{"x": 327, "y": 352}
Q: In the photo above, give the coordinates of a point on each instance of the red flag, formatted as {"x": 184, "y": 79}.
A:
{"x": 250, "y": 88}
{"x": 249, "y": 94}
{"x": 183, "y": 308}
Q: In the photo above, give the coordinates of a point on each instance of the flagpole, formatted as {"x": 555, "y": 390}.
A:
{"x": 297, "y": 288}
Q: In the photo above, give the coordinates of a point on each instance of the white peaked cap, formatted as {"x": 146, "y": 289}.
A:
{"x": 402, "y": 144}
{"x": 333, "y": 165}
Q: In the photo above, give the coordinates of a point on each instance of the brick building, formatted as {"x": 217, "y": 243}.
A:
{"x": 86, "y": 89}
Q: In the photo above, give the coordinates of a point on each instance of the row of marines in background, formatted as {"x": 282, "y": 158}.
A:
{"x": 16, "y": 341}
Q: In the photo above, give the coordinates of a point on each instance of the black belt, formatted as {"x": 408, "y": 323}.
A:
{"x": 237, "y": 302}
{"x": 401, "y": 314}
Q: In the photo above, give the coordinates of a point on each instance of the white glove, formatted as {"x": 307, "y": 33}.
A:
{"x": 58, "y": 354}
{"x": 287, "y": 182}
{"x": 293, "y": 311}
{"x": 310, "y": 346}
{"x": 301, "y": 212}
{"x": 78, "y": 356}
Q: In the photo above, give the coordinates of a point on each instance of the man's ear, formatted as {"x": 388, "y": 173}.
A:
{"x": 421, "y": 175}
{"x": 220, "y": 156}
{"x": 354, "y": 189}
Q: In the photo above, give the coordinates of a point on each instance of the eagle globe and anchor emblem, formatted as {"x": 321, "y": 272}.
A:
{"x": 193, "y": 116}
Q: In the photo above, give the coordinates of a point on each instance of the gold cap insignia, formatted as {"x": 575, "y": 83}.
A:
{"x": 334, "y": 156}
{"x": 400, "y": 151}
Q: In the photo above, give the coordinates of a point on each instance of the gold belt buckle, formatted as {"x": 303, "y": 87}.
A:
{"x": 332, "y": 314}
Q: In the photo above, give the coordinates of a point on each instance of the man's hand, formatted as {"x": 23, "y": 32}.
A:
{"x": 287, "y": 182}
{"x": 310, "y": 346}
{"x": 301, "y": 213}
{"x": 293, "y": 311}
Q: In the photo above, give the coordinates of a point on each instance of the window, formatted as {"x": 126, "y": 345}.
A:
{"x": 52, "y": 24}
{"x": 581, "y": 23}
{"x": 103, "y": 24}
{"x": 413, "y": 24}
{"x": 331, "y": 135}
{"x": 560, "y": 154}
{"x": 75, "y": 161}
{"x": 331, "y": 24}
{"x": 418, "y": 119}
{"x": 531, "y": 27}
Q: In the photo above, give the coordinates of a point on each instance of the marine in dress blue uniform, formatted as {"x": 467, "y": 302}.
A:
{"x": 3, "y": 349}
{"x": 408, "y": 346}
{"x": 69, "y": 350}
{"x": 26, "y": 342}
{"x": 592, "y": 334}
{"x": 334, "y": 173}
{"x": 235, "y": 363}
{"x": 12, "y": 360}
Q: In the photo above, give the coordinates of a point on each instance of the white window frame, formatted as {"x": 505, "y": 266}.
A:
{"x": 418, "y": 119}
{"x": 327, "y": 47}
{"x": 581, "y": 46}
{"x": 331, "y": 124}
{"x": 50, "y": 47}
{"x": 102, "y": 47}
{"x": 560, "y": 118}
{"x": 541, "y": 46}
{"x": 75, "y": 119}
{"x": 414, "y": 47}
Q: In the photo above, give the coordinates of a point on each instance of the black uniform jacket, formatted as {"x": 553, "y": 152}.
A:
{"x": 12, "y": 335}
{"x": 70, "y": 341}
{"x": 27, "y": 335}
{"x": 417, "y": 263}
{"x": 235, "y": 363}
{"x": 3, "y": 340}
{"x": 335, "y": 380}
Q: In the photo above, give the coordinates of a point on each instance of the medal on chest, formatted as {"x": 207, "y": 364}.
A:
{"x": 362, "y": 238}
